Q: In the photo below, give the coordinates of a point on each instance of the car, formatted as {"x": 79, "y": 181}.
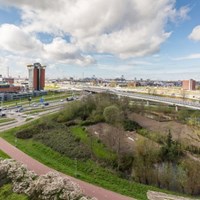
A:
{"x": 20, "y": 109}
{"x": 70, "y": 98}
{"x": 34, "y": 104}
{"x": 2, "y": 114}
{"x": 18, "y": 106}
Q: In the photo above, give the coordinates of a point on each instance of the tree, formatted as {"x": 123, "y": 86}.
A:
{"x": 171, "y": 150}
{"x": 146, "y": 155}
{"x": 113, "y": 115}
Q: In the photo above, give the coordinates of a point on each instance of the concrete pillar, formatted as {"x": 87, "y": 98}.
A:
{"x": 147, "y": 103}
{"x": 176, "y": 108}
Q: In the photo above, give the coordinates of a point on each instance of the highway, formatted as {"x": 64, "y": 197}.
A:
{"x": 20, "y": 118}
{"x": 146, "y": 97}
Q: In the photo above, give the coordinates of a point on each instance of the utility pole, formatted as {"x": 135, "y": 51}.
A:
{"x": 8, "y": 72}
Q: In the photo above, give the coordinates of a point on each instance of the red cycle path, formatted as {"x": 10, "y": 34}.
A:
{"x": 39, "y": 168}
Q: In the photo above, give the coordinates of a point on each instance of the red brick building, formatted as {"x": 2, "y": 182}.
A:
{"x": 189, "y": 84}
{"x": 36, "y": 76}
{"x": 10, "y": 89}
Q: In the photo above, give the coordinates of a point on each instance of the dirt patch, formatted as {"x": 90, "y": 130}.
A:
{"x": 181, "y": 132}
{"x": 158, "y": 196}
{"x": 109, "y": 135}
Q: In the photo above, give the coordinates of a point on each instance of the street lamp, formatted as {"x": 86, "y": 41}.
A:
{"x": 15, "y": 140}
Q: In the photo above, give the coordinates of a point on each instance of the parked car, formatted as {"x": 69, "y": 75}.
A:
{"x": 3, "y": 108}
{"x": 70, "y": 98}
{"x": 34, "y": 104}
{"x": 20, "y": 109}
{"x": 2, "y": 114}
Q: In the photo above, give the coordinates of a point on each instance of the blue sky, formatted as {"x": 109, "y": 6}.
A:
{"x": 138, "y": 39}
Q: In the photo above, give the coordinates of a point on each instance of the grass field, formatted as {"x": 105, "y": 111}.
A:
{"x": 98, "y": 148}
{"x": 3, "y": 155}
{"x": 6, "y": 193}
{"x": 4, "y": 120}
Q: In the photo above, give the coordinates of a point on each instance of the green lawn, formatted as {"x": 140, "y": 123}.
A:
{"x": 39, "y": 109}
{"x": 88, "y": 170}
{"x": 98, "y": 148}
{"x": 6, "y": 193}
{"x": 3, "y": 155}
{"x": 49, "y": 97}
{"x": 4, "y": 120}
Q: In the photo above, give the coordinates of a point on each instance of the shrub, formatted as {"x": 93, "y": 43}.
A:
{"x": 62, "y": 141}
{"x": 171, "y": 150}
{"x": 130, "y": 125}
{"x": 25, "y": 134}
{"x": 48, "y": 186}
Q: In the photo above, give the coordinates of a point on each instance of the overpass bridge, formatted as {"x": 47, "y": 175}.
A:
{"x": 147, "y": 97}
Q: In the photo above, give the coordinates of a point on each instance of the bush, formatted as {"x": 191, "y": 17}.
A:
{"x": 43, "y": 125}
{"x": 130, "y": 125}
{"x": 48, "y": 186}
{"x": 25, "y": 134}
{"x": 171, "y": 150}
{"x": 72, "y": 123}
{"x": 62, "y": 141}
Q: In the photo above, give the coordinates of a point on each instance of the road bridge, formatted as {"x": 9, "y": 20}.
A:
{"x": 147, "y": 97}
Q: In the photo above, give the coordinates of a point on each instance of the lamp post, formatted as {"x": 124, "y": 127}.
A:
{"x": 15, "y": 140}
{"x": 76, "y": 166}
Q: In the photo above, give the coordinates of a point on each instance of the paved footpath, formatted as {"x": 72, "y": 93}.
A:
{"x": 39, "y": 168}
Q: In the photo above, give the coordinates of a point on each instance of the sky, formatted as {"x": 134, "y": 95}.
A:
{"x": 145, "y": 39}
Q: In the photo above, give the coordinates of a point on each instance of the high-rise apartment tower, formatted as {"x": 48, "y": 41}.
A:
{"x": 36, "y": 74}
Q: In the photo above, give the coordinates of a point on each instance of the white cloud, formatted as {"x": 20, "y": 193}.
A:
{"x": 189, "y": 57}
{"x": 126, "y": 28}
{"x": 16, "y": 40}
{"x": 60, "y": 50}
{"x": 195, "y": 35}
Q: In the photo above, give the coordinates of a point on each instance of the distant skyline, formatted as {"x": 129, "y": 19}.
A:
{"x": 144, "y": 39}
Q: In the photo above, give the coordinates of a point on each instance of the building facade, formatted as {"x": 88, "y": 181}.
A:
{"x": 6, "y": 85}
{"x": 36, "y": 74}
{"x": 189, "y": 84}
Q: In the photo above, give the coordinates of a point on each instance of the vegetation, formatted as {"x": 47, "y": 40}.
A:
{"x": 130, "y": 125}
{"x": 62, "y": 142}
{"x": 4, "y": 120}
{"x": 7, "y": 193}
{"x": 3, "y": 155}
{"x": 98, "y": 149}
{"x": 85, "y": 170}
{"x": 171, "y": 150}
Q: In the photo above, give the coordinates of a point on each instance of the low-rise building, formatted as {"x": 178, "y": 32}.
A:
{"x": 189, "y": 84}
